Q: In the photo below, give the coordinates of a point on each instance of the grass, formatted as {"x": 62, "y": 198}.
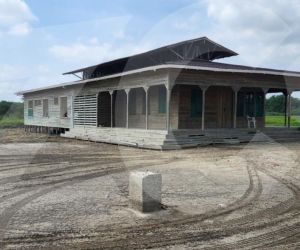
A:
{"x": 278, "y": 121}
{"x": 11, "y": 122}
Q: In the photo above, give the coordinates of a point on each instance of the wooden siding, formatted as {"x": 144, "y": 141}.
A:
{"x": 54, "y": 118}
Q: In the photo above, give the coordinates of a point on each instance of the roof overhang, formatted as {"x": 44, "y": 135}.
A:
{"x": 163, "y": 67}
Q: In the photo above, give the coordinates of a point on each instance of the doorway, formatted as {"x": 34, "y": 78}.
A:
{"x": 219, "y": 107}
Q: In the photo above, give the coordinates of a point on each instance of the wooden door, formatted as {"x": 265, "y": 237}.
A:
{"x": 226, "y": 107}
{"x": 219, "y": 107}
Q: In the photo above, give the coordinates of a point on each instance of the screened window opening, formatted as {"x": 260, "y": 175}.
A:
{"x": 240, "y": 104}
{"x": 64, "y": 107}
{"x": 55, "y": 100}
{"x": 250, "y": 102}
{"x": 37, "y": 103}
{"x": 196, "y": 102}
{"x": 132, "y": 102}
{"x": 45, "y": 108}
{"x": 162, "y": 103}
{"x": 30, "y": 108}
{"x": 260, "y": 102}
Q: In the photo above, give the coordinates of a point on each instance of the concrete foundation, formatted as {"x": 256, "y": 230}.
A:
{"x": 145, "y": 191}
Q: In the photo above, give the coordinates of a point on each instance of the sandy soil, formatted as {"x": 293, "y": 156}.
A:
{"x": 57, "y": 193}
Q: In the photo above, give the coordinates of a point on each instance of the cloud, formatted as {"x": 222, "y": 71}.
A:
{"x": 14, "y": 78}
{"x": 93, "y": 51}
{"x": 263, "y": 32}
{"x": 15, "y": 17}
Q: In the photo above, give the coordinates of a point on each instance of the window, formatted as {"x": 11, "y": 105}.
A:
{"x": 30, "y": 108}
{"x": 64, "y": 107}
{"x": 162, "y": 107}
{"x": 45, "y": 108}
{"x": 132, "y": 102}
{"x": 37, "y": 103}
{"x": 56, "y": 101}
{"x": 260, "y": 102}
{"x": 196, "y": 102}
{"x": 250, "y": 102}
{"x": 240, "y": 104}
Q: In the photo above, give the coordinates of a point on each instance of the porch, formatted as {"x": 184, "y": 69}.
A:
{"x": 179, "y": 107}
{"x": 179, "y": 113}
{"x": 179, "y": 139}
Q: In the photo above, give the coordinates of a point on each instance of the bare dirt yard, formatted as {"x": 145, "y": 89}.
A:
{"x": 57, "y": 193}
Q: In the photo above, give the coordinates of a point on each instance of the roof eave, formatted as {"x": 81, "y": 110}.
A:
{"x": 161, "y": 67}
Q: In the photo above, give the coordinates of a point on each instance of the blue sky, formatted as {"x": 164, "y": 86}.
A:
{"x": 39, "y": 40}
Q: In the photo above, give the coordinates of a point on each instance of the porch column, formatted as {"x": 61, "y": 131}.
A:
{"x": 289, "y": 107}
{"x": 236, "y": 91}
{"x": 111, "y": 108}
{"x": 203, "y": 88}
{"x": 168, "y": 92}
{"x": 265, "y": 90}
{"x": 127, "y": 107}
{"x": 147, "y": 106}
{"x": 285, "y": 108}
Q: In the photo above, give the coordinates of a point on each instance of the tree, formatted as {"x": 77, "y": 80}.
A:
{"x": 276, "y": 105}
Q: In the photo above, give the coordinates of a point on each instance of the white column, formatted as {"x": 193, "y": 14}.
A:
{"x": 289, "y": 98}
{"x": 285, "y": 108}
{"x": 265, "y": 101}
{"x": 72, "y": 110}
{"x": 127, "y": 105}
{"x": 111, "y": 108}
{"x": 168, "y": 93}
{"x": 203, "y": 107}
{"x": 236, "y": 91}
{"x": 235, "y": 108}
{"x": 147, "y": 106}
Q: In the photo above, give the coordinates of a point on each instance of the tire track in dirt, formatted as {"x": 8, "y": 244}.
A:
{"x": 292, "y": 213}
{"x": 7, "y": 214}
{"x": 253, "y": 192}
{"x": 222, "y": 232}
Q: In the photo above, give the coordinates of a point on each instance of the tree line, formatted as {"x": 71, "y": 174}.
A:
{"x": 11, "y": 109}
{"x": 275, "y": 105}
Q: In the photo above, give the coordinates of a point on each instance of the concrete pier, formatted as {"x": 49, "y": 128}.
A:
{"x": 145, "y": 191}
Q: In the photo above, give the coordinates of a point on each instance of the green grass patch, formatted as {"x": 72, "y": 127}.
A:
{"x": 278, "y": 121}
{"x": 11, "y": 122}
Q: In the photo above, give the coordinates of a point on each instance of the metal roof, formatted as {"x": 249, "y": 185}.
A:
{"x": 200, "y": 48}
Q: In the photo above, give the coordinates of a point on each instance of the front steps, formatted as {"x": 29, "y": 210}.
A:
{"x": 179, "y": 139}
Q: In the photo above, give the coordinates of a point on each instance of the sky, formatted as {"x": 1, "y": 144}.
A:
{"x": 40, "y": 40}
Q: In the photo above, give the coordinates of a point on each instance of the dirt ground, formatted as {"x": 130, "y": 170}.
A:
{"x": 57, "y": 193}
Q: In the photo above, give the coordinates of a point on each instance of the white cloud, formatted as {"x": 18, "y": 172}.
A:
{"x": 263, "y": 32}
{"x": 15, "y": 17}
{"x": 14, "y": 78}
{"x": 93, "y": 51}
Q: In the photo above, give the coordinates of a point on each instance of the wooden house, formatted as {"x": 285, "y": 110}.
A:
{"x": 171, "y": 97}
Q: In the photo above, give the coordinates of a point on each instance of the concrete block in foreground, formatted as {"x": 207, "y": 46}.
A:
{"x": 145, "y": 191}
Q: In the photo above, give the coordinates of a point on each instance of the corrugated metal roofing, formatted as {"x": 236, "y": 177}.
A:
{"x": 200, "y": 48}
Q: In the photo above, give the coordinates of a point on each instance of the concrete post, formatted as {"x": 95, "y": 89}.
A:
{"x": 145, "y": 191}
